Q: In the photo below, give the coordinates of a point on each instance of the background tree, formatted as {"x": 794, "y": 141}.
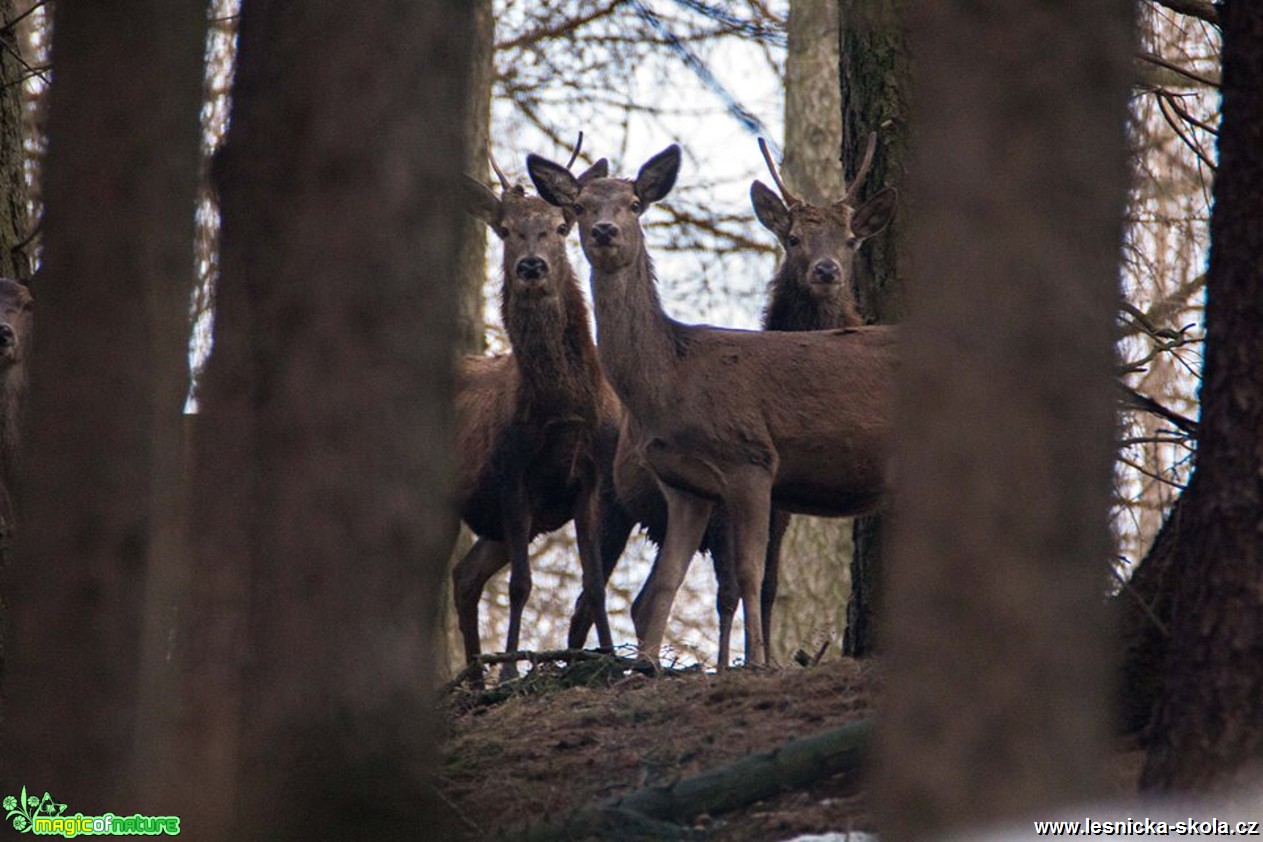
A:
{"x": 321, "y": 520}
{"x": 1206, "y": 733}
{"x": 875, "y": 74}
{"x": 993, "y": 701}
{"x": 107, "y": 387}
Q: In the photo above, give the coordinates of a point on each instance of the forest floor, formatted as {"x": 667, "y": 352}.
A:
{"x": 546, "y": 750}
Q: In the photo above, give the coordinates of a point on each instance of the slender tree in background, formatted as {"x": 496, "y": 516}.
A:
{"x": 107, "y": 388}
{"x": 321, "y": 524}
{"x": 1208, "y": 731}
{"x": 875, "y": 75}
{"x": 995, "y": 702}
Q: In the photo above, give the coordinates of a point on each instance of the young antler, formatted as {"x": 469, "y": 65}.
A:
{"x": 790, "y": 198}
{"x": 854, "y": 189}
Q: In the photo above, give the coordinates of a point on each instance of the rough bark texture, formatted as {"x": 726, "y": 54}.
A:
{"x": 1208, "y": 731}
{"x": 107, "y": 389}
{"x": 996, "y": 701}
{"x": 322, "y": 461}
{"x": 14, "y": 226}
{"x": 875, "y": 72}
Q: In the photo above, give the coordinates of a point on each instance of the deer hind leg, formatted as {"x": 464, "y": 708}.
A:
{"x": 771, "y": 575}
{"x": 484, "y": 559}
{"x": 588, "y": 536}
{"x": 687, "y": 516}
{"x": 749, "y": 503}
{"x": 615, "y": 528}
{"x": 727, "y": 596}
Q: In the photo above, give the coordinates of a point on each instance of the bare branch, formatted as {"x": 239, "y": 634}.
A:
{"x": 1199, "y": 9}
{"x": 1183, "y": 71}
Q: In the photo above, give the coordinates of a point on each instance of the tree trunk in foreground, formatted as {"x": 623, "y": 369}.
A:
{"x": 996, "y": 701}
{"x": 322, "y": 518}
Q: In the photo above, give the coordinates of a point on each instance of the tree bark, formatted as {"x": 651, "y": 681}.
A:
{"x": 996, "y": 701}
{"x": 107, "y": 388}
{"x": 322, "y": 519}
{"x": 875, "y": 72}
{"x": 1208, "y": 731}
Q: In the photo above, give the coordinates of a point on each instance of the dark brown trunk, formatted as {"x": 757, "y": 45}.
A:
{"x": 1208, "y": 731}
{"x": 107, "y": 389}
{"x": 996, "y": 702}
{"x": 876, "y": 79}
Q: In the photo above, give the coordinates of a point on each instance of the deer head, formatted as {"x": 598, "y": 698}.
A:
{"x": 15, "y": 321}
{"x": 820, "y": 241}
{"x": 607, "y": 209}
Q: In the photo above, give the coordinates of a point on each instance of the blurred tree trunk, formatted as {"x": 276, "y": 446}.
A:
{"x": 107, "y": 388}
{"x": 996, "y": 701}
{"x": 13, "y": 262}
{"x": 321, "y": 524}
{"x": 472, "y": 274}
{"x": 811, "y": 590}
{"x": 1208, "y": 730}
{"x": 875, "y": 72}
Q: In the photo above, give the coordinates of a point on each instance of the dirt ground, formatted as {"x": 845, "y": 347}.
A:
{"x": 539, "y": 754}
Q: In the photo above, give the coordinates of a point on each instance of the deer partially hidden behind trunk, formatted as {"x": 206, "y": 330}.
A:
{"x": 15, "y": 338}
{"x": 726, "y": 416}
{"x": 535, "y": 429}
{"x": 810, "y": 290}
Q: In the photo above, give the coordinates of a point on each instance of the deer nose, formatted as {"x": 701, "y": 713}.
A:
{"x": 604, "y": 233}
{"x": 532, "y": 268}
{"x": 7, "y": 336}
{"x": 826, "y": 271}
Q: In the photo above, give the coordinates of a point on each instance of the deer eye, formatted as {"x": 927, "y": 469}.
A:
{"x": 563, "y": 230}
{"x": 793, "y": 241}
{"x": 635, "y": 206}
{"x": 577, "y": 208}
{"x": 502, "y": 232}
{"x": 852, "y": 242}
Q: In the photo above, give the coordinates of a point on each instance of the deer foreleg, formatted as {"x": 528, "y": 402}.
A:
{"x": 749, "y": 510}
{"x": 517, "y": 534}
{"x": 771, "y": 575}
{"x": 686, "y": 521}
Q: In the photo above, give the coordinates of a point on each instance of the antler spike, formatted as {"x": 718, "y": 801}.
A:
{"x": 789, "y": 197}
{"x": 854, "y": 189}
{"x": 574, "y": 156}
{"x": 504, "y": 182}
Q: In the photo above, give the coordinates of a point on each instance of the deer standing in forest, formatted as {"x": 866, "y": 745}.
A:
{"x": 725, "y": 416}
{"x": 810, "y": 290}
{"x": 536, "y": 428}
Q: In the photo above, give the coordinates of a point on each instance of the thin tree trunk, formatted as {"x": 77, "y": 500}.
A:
{"x": 322, "y": 459}
{"x": 1208, "y": 731}
{"x": 996, "y": 701}
{"x": 107, "y": 388}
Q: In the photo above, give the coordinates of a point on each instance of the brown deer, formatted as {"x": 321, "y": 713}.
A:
{"x": 720, "y": 415}
{"x": 535, "y": 428}
{"x": 15, "y": 336}
{"x": 810, "y": 290}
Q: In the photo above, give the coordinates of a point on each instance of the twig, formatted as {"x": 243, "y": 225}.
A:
{"x": 9, "y": 26}
{"x": 1163, "y": 105}
{"x": 1193, "y": 8}
{"x": 1175, "y": 68}
{"x": 1138, "y": 401}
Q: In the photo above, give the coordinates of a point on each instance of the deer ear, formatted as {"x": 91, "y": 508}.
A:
{"x": 601, "y": 169}
{"x": 657, "y": 176}
{"x": 769, "y": 209}
{"x": 873, "y": 216}
{"x": 555, "y": 183}
{"x": 480, "y": 202}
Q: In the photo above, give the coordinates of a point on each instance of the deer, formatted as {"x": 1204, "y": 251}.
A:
{"x": 725, "y": 416}
{"x": 810, "y": 289}
{"x": 536, "y": 428}
{"x": 16, "y": 305}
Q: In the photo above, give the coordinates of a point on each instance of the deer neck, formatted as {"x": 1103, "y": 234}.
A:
{"x": 639, "y": 344}
{"x": 554, "y": 353}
